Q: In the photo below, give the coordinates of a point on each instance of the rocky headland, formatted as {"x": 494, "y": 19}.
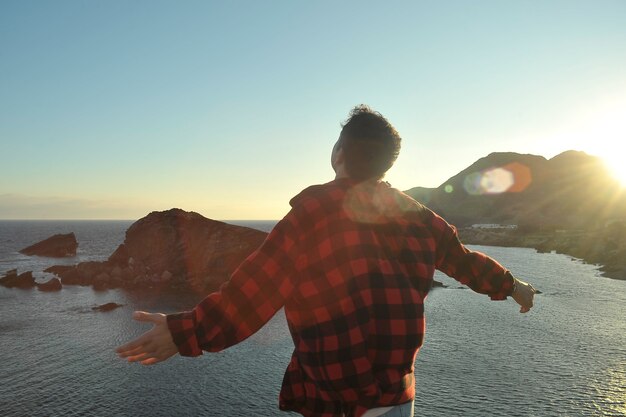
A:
{"x": 172, "y": 249}
{"x": 569, "y": 204}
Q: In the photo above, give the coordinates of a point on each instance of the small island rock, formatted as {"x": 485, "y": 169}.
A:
{"x": 53, "y": 284}
{"x": 107, "y": 307}
{"x": 13, "y": 280}
{"x": 57, "y": 246}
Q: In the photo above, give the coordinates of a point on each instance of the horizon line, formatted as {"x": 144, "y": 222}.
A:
{"x": 124, "y": 220}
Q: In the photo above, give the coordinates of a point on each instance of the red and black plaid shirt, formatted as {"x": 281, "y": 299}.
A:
{"x": 351, "y": 264}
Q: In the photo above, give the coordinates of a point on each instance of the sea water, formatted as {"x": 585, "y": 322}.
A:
{"x": 567, "y": 357}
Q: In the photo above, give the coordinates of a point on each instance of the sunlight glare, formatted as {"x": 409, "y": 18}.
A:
{"x": 602, "y": 133}
{"x": 617, "y": 167}
{"x": 610, "y": 131}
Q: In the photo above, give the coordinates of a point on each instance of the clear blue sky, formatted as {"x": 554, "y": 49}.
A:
{"x": 112, "y": 109}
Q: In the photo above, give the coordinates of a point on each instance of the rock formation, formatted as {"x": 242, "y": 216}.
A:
{"x": 169, "y": 249}
{"x": 107, "y": 307}
{"x": 54, "y": 284}
{"x": 57, "y": 246}
{"x": 12, "y": 280}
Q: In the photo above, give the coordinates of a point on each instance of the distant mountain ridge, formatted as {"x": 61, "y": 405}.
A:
{"x": 573, "y": 190}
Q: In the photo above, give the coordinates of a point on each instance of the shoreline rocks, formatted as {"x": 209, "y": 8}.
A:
{"x": 57, "y": 246}
{"x": 12, "y": 279}
{"x": 605, "y": 246}
{"x": 54, "y": 284}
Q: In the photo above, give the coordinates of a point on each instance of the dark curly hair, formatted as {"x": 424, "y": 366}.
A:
{"x": 370, "y": 144}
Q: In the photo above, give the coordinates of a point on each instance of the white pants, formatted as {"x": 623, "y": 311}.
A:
{"x": 401, "y": 410}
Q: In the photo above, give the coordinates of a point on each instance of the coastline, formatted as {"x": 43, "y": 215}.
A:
{"x": 605, "y": 247}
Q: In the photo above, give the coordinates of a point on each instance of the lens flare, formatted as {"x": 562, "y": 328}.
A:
{"x": 514, "y": 178}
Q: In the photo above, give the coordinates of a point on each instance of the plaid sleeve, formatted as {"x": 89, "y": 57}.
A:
{"x": 474, "y": 269}
{"x": 255, "y": 292}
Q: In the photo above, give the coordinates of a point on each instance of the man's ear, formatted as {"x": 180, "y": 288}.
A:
{"x": 339, "y": 157}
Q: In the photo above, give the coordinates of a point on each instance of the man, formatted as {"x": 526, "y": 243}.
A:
{"x": 351, "y": 264}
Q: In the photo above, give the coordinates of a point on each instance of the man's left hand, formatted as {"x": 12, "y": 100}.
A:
{"x": 524, "y": 294}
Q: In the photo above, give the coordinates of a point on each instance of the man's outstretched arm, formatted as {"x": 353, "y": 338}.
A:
{"x": 254, "y": 293}
{"x": 478, "y": 271}
{"x": 154, "y": 346}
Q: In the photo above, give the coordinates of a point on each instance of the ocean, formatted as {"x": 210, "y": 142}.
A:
{"x": 567, "y": 357}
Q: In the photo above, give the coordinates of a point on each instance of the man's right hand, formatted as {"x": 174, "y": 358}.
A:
{"x": 154, "y": 346}
{"x": 524, "y": 294}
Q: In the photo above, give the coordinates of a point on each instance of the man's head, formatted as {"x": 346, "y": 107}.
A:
{"x": 368, "y": 145}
